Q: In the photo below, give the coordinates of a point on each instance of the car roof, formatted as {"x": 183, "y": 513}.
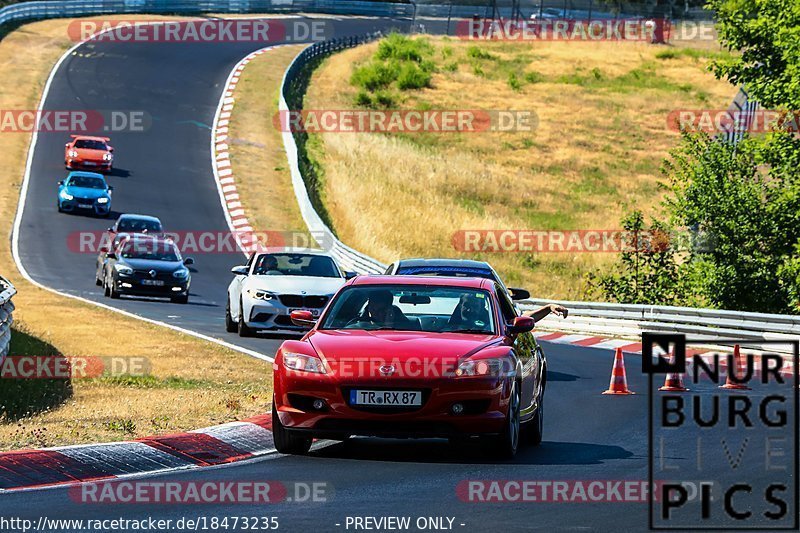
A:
{"x": 86, "y": 174}
{"x": 127, "y": 216}
{"x": 146, "y": 237}
{"x": 421, "y": 262}
{"x": 438, "y": 281}
{"x": 296, "y": 251}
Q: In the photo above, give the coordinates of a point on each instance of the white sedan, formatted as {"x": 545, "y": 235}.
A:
{"x": 270, "y": 286}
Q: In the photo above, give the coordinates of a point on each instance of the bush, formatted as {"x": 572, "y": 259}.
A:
{"x": 374, "y": 76}
{"x": 402, "y": 48}
{"x": 413, "y": 77}
{"x": 513, "y": 82}
{"x": 476, "y": 52}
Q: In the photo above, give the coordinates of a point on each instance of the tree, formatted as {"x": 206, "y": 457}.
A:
{"x": 767, "y": 33}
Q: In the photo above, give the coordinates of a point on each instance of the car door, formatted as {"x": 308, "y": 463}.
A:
{"x": 236, "y": 288}
{"x": 525, "y": 348}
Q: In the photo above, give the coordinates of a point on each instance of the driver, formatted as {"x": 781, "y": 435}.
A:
{"x": 380, "y": 310}
{"x": 269, "y": 266}
{"x": 470, "y": 313}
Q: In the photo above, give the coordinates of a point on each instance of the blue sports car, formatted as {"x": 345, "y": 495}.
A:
{"x": 85, "y": 192}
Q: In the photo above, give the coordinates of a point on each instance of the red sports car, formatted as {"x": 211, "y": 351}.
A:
{"x": 411, "y": 356}
{"x": 90, "y": 153}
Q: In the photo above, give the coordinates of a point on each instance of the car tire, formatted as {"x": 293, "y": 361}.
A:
{"x": 98, "y": 281}
{"x": 106, "y": 291}
{"x": 180, "y": 299}
{"x": 230, "y": 325}
{"x": 243, "y": 329}
{"x": 113, "y": 294}
{"x": 534, "y": 428}
{"x": 286, "y": 441}
{"x": 507, "y": 443}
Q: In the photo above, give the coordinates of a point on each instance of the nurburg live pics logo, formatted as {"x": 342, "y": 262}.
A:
{"x": 729, "y": 432}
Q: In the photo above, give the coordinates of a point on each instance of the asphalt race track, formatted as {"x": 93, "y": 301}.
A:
{"x": 167, "y": 172}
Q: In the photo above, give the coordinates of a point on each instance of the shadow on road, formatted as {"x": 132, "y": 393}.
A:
{"x": 472, "y": 452}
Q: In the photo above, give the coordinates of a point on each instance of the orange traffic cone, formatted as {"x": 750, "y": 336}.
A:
{"x": 619, "y": 383}
{"x": 740, "y": 361}
{"x": 674, "y": 381}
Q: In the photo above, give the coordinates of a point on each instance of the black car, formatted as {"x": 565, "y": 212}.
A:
{"x": 146, "y": 266}
{"x": 455, "y": 268}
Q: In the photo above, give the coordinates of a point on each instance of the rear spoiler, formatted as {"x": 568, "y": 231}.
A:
{"x": 106, "y": 139}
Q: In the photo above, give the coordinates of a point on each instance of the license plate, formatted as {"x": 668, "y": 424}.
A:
{"x": 387, "y": 398}
{"x": 314, "y": 312}
{"x": 89, "y": 163}
{"x": 85, "y": 206}
{"x": 154, "y": 282}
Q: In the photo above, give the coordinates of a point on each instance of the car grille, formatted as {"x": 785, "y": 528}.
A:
{"x": 145, "y": 274}
{"x": 310, "y": 302}
{"x": 84, "y": 200}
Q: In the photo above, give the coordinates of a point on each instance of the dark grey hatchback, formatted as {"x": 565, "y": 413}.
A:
{"x": 145, "y": 266}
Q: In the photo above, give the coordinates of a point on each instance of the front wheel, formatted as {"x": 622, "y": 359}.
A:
{"x": 286, "y": 441}
{"x": 230, "y": 325}
{"x": 507, "y": 442}
{"x": 535, "y": 427}
{"x": 244, "y": 329}
{"x": 180, "y": 299}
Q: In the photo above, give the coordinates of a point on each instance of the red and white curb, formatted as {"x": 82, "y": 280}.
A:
{"x": 217, "y": 445}
{"x": 632, "y": 347}
{"x": 220, "y": 149}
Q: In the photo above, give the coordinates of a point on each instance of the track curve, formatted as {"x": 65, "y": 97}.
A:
{"x": 167, "y": 172}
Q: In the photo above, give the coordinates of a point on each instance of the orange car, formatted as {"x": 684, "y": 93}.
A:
{"x": 86, "y": 152}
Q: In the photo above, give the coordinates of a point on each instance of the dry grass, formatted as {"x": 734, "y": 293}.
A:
{"x": 192, "y": 383}
{"x": 595, "y": 154}
{"x": 258, "y": 159}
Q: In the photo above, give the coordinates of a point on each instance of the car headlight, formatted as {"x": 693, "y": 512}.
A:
{"x": 303, "y": 363}
{"x": 102, "y": 200}
{"x": 107, "y": 157}
{"x": 182, "y": 273}
{"x": 124, "y": 270}
{"x": 66, "y": 196}
{"x": 259, "y": 294}
{"x": 73, "y": 153}
{"x": 484, "y": 367}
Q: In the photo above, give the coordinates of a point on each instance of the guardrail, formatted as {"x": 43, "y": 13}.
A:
{"x": 708, "y": 325}
{"x": 293, "y": 87}
{"x": 7, "y": 291}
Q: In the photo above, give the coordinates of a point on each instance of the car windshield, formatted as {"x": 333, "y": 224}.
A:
{"x": 285, "y": 264}
{"x": 87, "y": 182}
{"x": 152, "y": 250}
{"x": 89, "y": 144}
{"x": 433, "y": 309}
{"x": 137, "y": 225}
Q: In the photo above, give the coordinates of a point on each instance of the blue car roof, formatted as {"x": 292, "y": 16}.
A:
{"x": 443, "y": 269}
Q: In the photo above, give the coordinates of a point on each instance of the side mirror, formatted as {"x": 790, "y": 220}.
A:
{"x": 303, "y": 319}
{"x": 522, "y": 324}
{"x": 350, "y": 275}
{"x": 110, "y": 188}
{"x": 110, "y": 148}
{"x": 111, "y": 255}
{"x": 239, "y": 270}
{"x": 518, "y": 294}
{"x": 61, "y": 182}
{"x": 188, "y": 261}
{"x": 66, "y": 145}
{"x": 104, "y": 250}
{"x": 111, "y": 229}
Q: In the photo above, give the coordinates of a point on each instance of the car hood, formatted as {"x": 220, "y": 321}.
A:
{"x": 85, "y": 192}
{"x": 158, "y": 266}
{"x": 378, "y": 347}
{"x": 295, "y": 284}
